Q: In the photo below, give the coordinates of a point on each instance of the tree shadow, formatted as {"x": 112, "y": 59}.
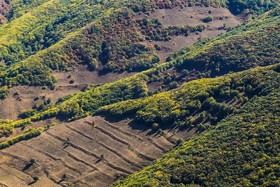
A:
{"x": 27, "y": 166}
{"x": 148, "y": 130}
{"x": 33, "y": 182}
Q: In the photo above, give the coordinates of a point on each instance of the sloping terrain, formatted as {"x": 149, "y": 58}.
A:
{"x": 136, "y": 86}
{"x": 96, "y": 151}
{"x": 79, "y": 55}
{"x": 88, "y": 151}
{"x": 243, "y": 150}
{"x": 94, "y": 91}
{"x": 4, "y": 8}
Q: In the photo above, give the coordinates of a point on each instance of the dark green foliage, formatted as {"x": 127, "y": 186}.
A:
{"x": 19, "y": 7}
{"x": 173, "y": 85}
{"x": 235, "y": 6}
{"x": 35, "y": 75}
{"x": 258, "y": 7}
{"x": 207, "y": 19}
{"x": 52, "y": 22}
{"x": 4, "y": 91}
{"x": 111, "y": 41}
{"x": 56, "y": 30}
{"x": 240, "y": 53}
{"x": 89, "y": 101}
{"x": 32, "y": 161}
{"x": 27, "y": 114}
{"x": 250, "y": 45}
{"x": 201, "y": 111}
{"x": 58, "y": 40}
{"x": 36, "y": 178}
{"x": 117, "y": 50}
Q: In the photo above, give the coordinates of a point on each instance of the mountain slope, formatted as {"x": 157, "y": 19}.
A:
{"x": 142, "y": 84}
{"x": 93, "y": 91}
{"x": 242, "y": 150}
{"x": 46, "y": 28}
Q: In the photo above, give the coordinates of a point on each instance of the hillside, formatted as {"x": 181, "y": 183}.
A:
{"x": 63, "y": 29}
{"x": 92, "y": 93}
{"x": 242, "y": 150}
{"x": 95, "y": 151}
{"x": 63, "y": 54}
{"x": 143, "y": 84}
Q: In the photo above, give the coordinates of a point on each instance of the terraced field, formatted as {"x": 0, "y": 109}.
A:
{"x": 82, "y": 154}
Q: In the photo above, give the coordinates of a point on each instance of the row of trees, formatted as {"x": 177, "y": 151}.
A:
{"x": 154, "y": 30}
{"x": 205, "y": 101}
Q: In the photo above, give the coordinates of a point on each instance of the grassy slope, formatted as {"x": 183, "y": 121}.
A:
{"x": 243, "y": 149}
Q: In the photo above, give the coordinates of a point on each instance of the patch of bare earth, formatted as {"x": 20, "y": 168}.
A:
{"x": 88, "y": 152}
{"x": 23, "y": 98}
{"x": 193, "y": 16}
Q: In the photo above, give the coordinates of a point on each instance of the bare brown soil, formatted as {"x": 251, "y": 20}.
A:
{"x": 82, "y": 154}
{"x": 193, "y": 16}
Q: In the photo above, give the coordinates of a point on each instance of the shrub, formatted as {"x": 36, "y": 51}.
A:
{"x": 173, "y": 85}
{"x": 27, "y": 114}
{"x": 32, "y": 161}
{"x": 207, "y": 19}
{"x": 155, "y": 126}
{"x": 93, "y": 65}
